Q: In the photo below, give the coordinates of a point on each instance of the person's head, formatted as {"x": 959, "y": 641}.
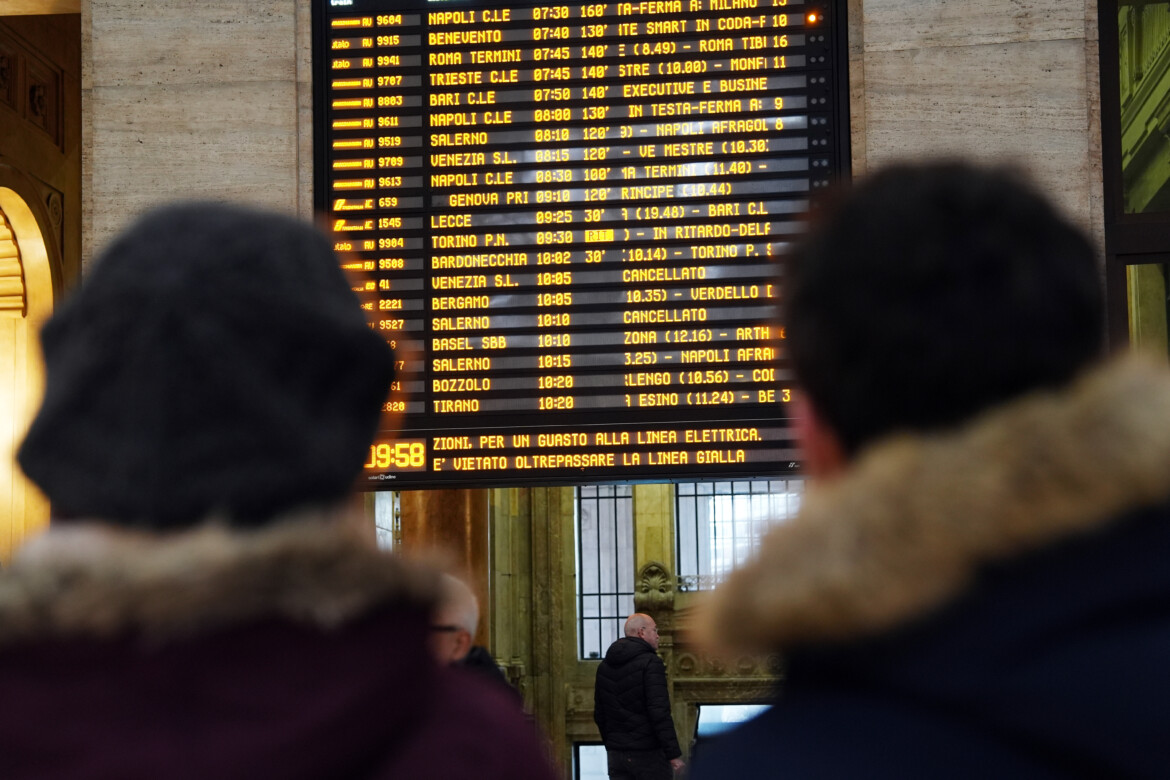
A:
{"x": 642, "y": 627}
{"x": 932, "y": 292}
{"x": 215, "y": 364}
{"x": 455, "y": 621}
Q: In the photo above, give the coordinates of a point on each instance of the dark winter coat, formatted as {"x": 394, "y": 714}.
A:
{"x": 479, "y": 662}
{"x": 991, "y": 602}
{"x": 631, "y": 704}
{"x": 293, "y": 652}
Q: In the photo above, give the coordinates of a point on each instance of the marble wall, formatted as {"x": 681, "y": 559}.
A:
{"x": 212, "y": 99}
{"x": 206, "y": 99}
{"x": 1011, "y": 81}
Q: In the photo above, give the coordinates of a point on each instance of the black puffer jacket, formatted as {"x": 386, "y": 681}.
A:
{"x": 630, "y": 702}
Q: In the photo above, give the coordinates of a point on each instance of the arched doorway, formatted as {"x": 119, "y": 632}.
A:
{"x": 26, "y": 300}
{"x": 40, "y": 200}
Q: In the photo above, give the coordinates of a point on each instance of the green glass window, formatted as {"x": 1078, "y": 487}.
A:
{"x": 1144, "y": 80}
{"x": 1149, "y": 306}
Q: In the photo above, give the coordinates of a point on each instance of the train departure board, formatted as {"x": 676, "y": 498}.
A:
{"x": 566, "y": 217}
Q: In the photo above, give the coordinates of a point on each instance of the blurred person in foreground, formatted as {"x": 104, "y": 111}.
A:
{"x": 977, "y": 583}
{"x": 453, "y": 629}
{"x": 205, "y": 603}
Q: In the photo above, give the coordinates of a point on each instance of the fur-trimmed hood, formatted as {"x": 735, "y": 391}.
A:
{"x": 89, "y": 580}
{"x": 295, "y": 651}
{"x": 916, "y": 517}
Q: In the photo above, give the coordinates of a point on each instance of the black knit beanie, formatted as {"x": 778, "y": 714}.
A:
{"x": 215, "y": 363}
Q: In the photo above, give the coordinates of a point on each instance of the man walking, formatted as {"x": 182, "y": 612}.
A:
{"x": 632, "y": 708}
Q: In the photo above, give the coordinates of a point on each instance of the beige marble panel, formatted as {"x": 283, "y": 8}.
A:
{"x": 1093, "y": 101}
{"x": 188, "y": 98}
{"x": 856, "y": 32}
{"x": 195, "y": 41}
{"x": 304, "y": 167}
{"x": 227, "y": 142}
{"x": 304, "y": 66}
{"x": 892, "y": 25}
{"x": 1023, "y": 103}
{"x": 86, "y": 137}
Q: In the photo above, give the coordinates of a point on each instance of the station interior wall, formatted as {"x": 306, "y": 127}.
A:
{"x": 214, "y": 100}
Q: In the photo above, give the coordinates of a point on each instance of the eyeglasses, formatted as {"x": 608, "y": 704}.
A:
{"x": 446, "y": 629}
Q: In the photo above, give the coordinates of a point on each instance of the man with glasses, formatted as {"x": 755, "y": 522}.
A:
{"x": 452, "y": 639}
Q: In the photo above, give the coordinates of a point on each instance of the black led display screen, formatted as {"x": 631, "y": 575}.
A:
{"x": 566, "y": 217}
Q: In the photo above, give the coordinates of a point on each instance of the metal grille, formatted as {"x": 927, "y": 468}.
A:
{"x": 605, "y": 565}
{"x": 720, "y": 524}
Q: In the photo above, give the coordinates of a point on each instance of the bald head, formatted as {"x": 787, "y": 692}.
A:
{"x": 455, "y": 621}
{"x": 642, "y": 627}
{"x": 458, "y": 605}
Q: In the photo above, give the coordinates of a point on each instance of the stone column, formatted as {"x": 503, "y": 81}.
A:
{"x": 453, "y": 523}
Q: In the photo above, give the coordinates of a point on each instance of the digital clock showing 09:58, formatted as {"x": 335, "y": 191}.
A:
{"x": 401, "y": 455}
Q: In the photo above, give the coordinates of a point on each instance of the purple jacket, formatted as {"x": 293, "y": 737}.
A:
{"x": 296, "y": 651}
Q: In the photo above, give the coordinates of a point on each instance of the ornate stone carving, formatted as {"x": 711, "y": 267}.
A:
{"x": 36, "y": 100}
{"x": 746, "y": 664}
{"x": 654, "y": 593}
{"x": 56, "y": 210}
{"x": 579, "y": 700}
{"x": 9, "y": 75}
{"x": 695, "y": 664}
